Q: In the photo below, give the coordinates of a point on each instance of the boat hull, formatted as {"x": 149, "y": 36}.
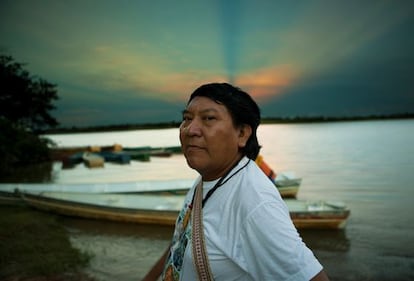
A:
{"x": 163, "y": 210}
{"x": 103, "y": 210}
{"x": 159, "y": 187}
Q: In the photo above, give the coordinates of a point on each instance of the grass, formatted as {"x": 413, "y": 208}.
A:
{"x": 34, "y": 246}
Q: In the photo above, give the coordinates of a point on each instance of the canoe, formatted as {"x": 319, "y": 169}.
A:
{"x": 170, "y": 186}
{"x": 93, "y": 160}
{"x": 149, "y": 151}
{"x": 287, "y": 187}
{"x": 318, "y": 214}
{"x": 286, "y": 182}
{"x": 163, "y": 210}
{"x": 143, "y": 156}
{"x": 132, "y": 208}
{"x": 115, "y": 157}
{"x": 174, "y": 149}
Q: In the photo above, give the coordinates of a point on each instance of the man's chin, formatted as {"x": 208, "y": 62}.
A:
{"x": 195, "y": 163}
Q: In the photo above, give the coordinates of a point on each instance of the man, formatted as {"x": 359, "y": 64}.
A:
{"x": 246, "y": 225}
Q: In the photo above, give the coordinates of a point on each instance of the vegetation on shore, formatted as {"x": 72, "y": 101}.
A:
{"x": 34, "y": 246}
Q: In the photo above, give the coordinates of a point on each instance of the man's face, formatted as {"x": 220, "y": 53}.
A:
{"x": 209, "y": 140}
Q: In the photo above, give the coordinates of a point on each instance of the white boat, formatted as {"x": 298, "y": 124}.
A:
{"x": 318, "y": 214}
{"x": 132, "y": 208}
{"x": 163, "y": 209}
{"x": 287, "y": 184}
{"x": 171, "y": 186}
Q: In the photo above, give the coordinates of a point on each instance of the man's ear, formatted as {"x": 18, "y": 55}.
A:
{"x": 244, "y": 134}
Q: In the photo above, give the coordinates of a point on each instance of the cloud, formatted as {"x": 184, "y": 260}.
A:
{"x": 156, "y": 53}
{"x": 266, "y": 82}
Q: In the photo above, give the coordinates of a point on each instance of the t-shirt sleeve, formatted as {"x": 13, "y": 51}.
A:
{"x": 272, "y": 248}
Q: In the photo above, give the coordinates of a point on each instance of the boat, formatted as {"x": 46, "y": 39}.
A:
{"x": 141, "y": 153}
{"x": 318, "y": 214}
{"x": 115, "y": 156}
{"x": 148, "y": 151}
{"x": 164, "y": 187}
{"x": 93, "y": 160}
{"x": 174, "y": 149}
{"x": 131, "y": 208}
{"x": 286, "y": 182}
{"x": 163, "y": 209}
{"x": 287, "y": 186}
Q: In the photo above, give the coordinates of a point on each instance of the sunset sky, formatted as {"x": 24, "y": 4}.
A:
{"x": 117, "y": 62}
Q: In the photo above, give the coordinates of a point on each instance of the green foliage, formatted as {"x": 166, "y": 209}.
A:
{"x": 25, "y": 105}
{"x": 25, "y": 100}
{"x": 19, "y": 147}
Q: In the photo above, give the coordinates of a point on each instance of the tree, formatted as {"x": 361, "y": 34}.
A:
{"x": 25, "y": 105}
{"x": 25, "y": 100}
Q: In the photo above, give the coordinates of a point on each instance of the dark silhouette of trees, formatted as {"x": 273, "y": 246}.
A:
{"x": 25, "y": 105}
{"x": 25, "y": 100}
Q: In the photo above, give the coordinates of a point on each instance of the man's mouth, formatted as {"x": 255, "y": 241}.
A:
{"x": 194, "y": 148}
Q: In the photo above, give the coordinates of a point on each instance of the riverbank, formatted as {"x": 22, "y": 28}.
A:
{"x": 35, "y": 247}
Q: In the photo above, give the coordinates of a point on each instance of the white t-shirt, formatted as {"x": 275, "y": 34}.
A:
{"x": 248, "y": 232}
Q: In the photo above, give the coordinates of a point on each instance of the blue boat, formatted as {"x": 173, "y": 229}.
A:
{"x": 116, "y": 157}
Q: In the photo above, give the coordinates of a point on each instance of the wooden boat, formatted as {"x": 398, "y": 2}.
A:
{"x": 140, "y": 153}
{"x": 174, "y": 149}
{"x": 93, "y": 160}
{"x": 318, "y": 214}
{"x": 163, "y": 210}
{"x": 286, "y": 182}
{"x": 132, "y": 208}
{"x": 171, "y": 186}
{"x": 115, "y": 156}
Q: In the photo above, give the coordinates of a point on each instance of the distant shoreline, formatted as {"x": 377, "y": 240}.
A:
{"x": 265, "y": 120}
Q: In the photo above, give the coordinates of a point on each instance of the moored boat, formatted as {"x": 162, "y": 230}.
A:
{"x": 286, "y": 182}
{"x": 115, "y": 156}
{"x": 162, "y": 210}
{"x": 93, "y": 160}
{"x": 318, "y": 214}
{"x": 131, "y": 208}
{"x": 169, "y": 186}
{"x": 141, "y": 153}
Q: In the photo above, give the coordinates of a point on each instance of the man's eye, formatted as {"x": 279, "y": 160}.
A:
{"x": 186, "y": 118}
{"x": 209, "y": 118}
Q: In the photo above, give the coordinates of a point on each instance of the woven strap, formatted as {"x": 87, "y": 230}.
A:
{"x": 199, "y": 246}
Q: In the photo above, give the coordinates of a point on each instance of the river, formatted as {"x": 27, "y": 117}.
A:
{"x": 369, "y": 165}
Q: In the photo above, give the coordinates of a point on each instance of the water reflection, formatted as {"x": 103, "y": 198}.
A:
{"x": 126, "y": 251}
{"x": 327, "y": 240}
{"x": 109, "y": 228}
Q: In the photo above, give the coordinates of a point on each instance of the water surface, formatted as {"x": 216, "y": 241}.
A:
{"x": 369, "y": 165}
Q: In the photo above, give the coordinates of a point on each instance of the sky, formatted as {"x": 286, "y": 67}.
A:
{"x": 133, "y": 62}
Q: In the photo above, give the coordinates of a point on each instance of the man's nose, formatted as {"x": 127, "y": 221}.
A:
{"x": 194, "y": 128}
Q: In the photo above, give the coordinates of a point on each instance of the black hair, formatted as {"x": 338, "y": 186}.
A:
{"x": 242, "y": 107}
